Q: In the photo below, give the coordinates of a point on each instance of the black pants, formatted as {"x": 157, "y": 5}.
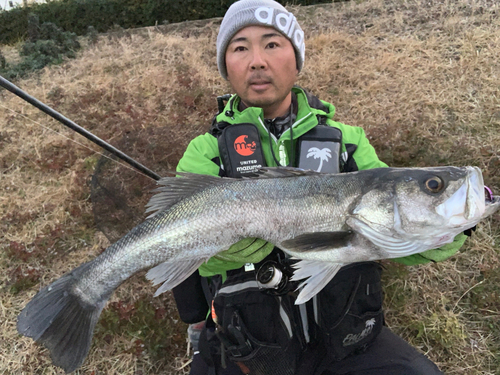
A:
{"x": 388, "y": 355}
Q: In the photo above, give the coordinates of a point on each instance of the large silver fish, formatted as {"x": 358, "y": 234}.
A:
{"x": 325, "y": 220}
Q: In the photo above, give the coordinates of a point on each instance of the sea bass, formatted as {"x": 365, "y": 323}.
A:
{"x": 324, "y": 220}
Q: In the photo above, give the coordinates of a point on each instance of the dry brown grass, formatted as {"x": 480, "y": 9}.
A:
{"x": 422, "y": 77}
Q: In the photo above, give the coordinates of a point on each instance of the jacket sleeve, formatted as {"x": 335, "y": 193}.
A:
{"x": 200, "y": 156}
{"x": 357, "y": 149}
{"x": 365, "y": 155}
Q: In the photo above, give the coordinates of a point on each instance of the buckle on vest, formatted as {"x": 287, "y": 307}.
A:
{"x": 239, "y": 350}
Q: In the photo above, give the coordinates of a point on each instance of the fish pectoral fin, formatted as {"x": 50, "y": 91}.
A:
{"x": 318, "y": 241}
{"x": 172, "y": 274}
{"x": 317, "y": 275}
{"x": 393, "y": 247}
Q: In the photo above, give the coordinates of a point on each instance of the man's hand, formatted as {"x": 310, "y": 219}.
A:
{"x": 434, "y": 255}
{"x": 249, "y": 250}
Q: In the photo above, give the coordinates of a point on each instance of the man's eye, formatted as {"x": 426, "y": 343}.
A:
{"x": 239, "y": 49}
{"x": 272, "y": 45}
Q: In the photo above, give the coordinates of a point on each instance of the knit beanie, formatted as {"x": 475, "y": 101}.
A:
{"x": 270, "y": 13}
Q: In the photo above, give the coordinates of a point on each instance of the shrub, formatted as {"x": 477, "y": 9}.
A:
{"x": 49, "y": 45}
{"x": 33, "y": 27}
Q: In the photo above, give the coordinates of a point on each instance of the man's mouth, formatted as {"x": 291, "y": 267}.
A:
{"x": 259, "y": 84}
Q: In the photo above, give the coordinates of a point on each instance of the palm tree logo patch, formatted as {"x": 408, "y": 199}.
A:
{"x": 323, "y": 155}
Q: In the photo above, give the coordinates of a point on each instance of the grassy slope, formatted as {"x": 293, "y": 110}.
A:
{"x": 421, "y": 77}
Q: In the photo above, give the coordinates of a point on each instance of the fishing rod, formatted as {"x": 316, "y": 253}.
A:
{"x": 70, "y": 124}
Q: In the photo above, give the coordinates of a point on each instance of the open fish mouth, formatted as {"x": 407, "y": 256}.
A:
{"x": 468, "y": 203}
{"x": 476, "y": 196}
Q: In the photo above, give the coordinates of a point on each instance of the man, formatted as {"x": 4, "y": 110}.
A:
{"x": 260, "y": 51}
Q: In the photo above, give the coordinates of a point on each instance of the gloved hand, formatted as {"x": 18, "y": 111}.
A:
{"x": 249, "y": 250}
{"x": 434, "y": 255}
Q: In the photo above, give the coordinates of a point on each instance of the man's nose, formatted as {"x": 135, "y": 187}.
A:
{"x": 258, "y": 62}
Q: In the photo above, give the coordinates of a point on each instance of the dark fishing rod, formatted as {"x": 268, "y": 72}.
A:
{"x": 70, "y": 124}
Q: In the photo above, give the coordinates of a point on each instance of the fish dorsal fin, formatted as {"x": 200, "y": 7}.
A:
{"x": 282, "y": 172}
{"x": 173, "y": 189}
{"x": 172, "y": 273}
{"x": 317, "y": 275}
{"x": 318, "y": 241}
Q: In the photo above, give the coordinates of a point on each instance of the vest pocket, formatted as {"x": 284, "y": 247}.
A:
{"x": 256, "y": 329}
{"x": 264, "y": 358}
{"x": 349, "y": 309}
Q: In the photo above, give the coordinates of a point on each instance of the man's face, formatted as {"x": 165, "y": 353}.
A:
{"x": 262, "y": 69}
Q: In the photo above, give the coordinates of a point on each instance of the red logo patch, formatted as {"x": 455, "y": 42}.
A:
{"x": 242, "y": 147}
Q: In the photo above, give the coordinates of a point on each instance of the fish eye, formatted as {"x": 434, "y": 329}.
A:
{"x": 434, "y": 184}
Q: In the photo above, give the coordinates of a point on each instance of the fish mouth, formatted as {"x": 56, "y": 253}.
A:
{"x": 476, "y": 195}
{"x": 468, "y": 204}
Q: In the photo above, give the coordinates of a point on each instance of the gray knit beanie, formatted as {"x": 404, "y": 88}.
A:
{"x": 245, "y": 13}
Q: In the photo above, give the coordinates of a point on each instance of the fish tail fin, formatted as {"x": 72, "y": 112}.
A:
{"x": 60, "y": 320}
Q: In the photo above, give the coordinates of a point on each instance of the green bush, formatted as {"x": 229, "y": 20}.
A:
{"x": 48, "y": 45}
{"x": 77, "y": 15}
{"x": 33, "y": 27}
{"x": 14, "y": 25}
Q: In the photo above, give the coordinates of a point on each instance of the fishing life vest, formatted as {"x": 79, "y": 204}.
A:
{"x": 241, "y": 154}
{"x": 265, "y": 333}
